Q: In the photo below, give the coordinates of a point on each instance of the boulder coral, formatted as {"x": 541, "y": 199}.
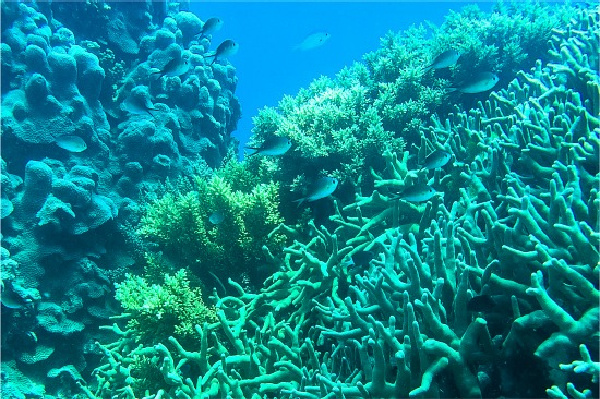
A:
{"x": 69, "y": 210}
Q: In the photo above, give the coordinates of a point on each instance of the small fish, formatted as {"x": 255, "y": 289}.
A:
{"x": 225, "y": 49}
{"x": 321, "y": 188}
{"x": 71, "y": 143}
{"x": 313, "y": 40}
{"x": 444, "y": 60}
{"x": 138, "y": 104}
{"x": 211, "y": 25}
{"x": 436, "y": 159}
{"x": 273, "y": 146}
{"x": 478, "y": 83}
{"x": 216, "y": 218}
{"x": 362, "y": 258}
{"x": 416, "y": 193}
{"x": 175, "y": 67}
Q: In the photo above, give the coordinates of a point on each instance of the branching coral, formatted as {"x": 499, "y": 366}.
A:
{"x": 156, "y": 312}
{"x": 342, "y": 125}
{"x": 488, "y": 289}
{"x": 180, "y": 223}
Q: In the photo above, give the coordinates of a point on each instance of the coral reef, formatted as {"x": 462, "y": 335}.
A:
{"x": 77, "y": 168}
{"x": 489, "y": 289}
{"x": 342, "y": 125}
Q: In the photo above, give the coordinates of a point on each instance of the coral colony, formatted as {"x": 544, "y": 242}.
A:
{"x": 423, "y": 224}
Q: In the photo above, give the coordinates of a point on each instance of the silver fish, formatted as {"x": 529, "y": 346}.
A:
{"x": 211, "y": 25}
{"x": 444, "y": 60}
{"x": 436, "y": 159}
{"x": 216, "y": 218}
{"x": 478, "y": 83}
{"x": 313, "y": 40}
{"x": 321, "y": 188}
{"x": 225, "y": 49}
{"x": 416, "y": 193}
{"x": 273, "y": 146}
{"x": 71, "y": 143}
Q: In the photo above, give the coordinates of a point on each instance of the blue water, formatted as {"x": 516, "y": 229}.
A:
{"x": 267, "y": 65}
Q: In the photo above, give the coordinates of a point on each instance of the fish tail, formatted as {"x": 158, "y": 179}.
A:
{"x": 151, "y": 114}
{"x": 253, "y": 149}
{"x": 451, "y": 90}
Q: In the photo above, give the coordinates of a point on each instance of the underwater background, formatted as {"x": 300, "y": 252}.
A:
{"x": 416, "y": 214}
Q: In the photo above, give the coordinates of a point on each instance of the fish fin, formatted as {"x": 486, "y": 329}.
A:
{"x": 422, "y": 167}
{"x": 427, "y": 68}
{"x": 210, "y": 56}
{"x": 299, "y": 201}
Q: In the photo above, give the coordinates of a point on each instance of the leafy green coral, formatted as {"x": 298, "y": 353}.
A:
{"x": 159, "y": 311}
{"x": 330, "y": 123}
{"x": 342, "y": 125}
{"x": 180, "y": 225}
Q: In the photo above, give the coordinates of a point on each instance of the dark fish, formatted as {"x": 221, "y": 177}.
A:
{"x": 216, "y": 218}
{"x": 211, "y": 25}
{"x": 416, "y": 193}
{"x": 321, "y": 188}
{"x": 436, "y": 159}
{"x": 481, "y": 303}
{"x": 478, "y": 83}
{"x": 138, "y": 104}
{"x": 175, "y": 67}
{"x": 225, "y": 49}
{"x": 362, "y": 258}
{"x": 273, "y": 146}
{"x": 444, "y": 60}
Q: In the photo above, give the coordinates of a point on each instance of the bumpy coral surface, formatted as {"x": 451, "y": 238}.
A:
{"x": 81, "y": 155}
